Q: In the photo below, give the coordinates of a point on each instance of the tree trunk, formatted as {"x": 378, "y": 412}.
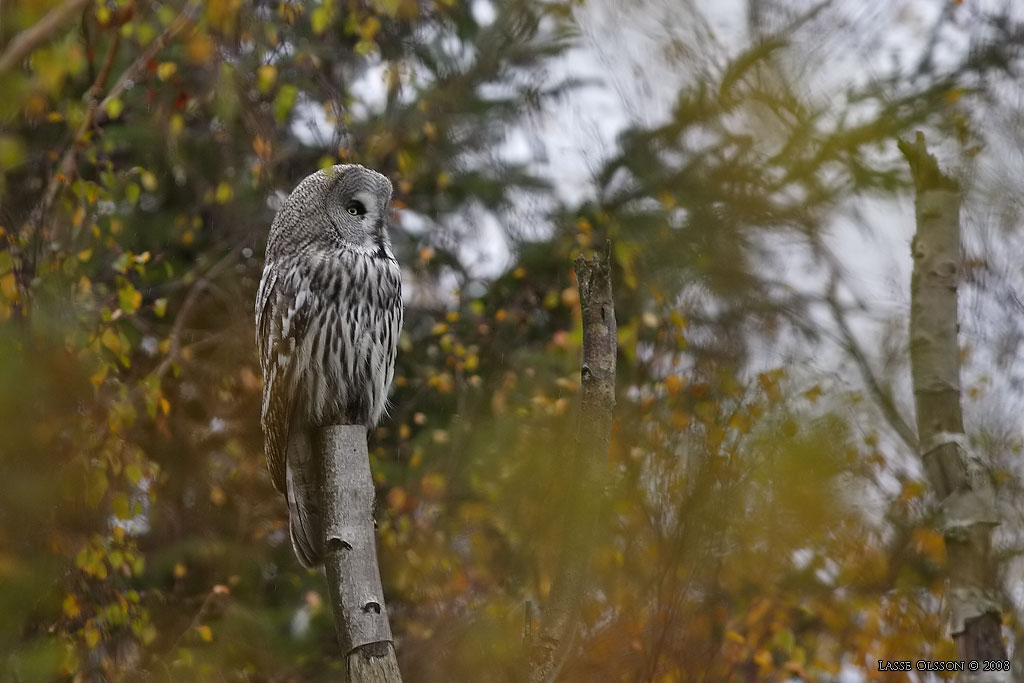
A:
{"x": 547, "y": 650}
{"x": 350, "y": 556}
{"x": 960, "y": 479}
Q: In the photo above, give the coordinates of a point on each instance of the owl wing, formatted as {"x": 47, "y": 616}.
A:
{"x": 282, "y": 317}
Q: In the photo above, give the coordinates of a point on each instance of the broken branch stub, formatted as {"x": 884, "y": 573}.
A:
{"x": 960, "y": 479}
{"x": 548, "y": 648}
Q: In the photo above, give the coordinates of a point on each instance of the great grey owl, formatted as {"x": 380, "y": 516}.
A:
{"x": 328, "y": 318}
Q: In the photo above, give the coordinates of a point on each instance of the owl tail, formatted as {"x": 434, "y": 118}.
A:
{"x": 302, "y": 475}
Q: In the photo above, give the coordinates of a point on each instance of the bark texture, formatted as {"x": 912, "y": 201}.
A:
{"x": 350, "y": 556}
{"x": 961, "y": 481}
{"x": 548, "y": 647}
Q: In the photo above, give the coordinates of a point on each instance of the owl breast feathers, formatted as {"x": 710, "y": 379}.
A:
{"x": 328, "y": 318}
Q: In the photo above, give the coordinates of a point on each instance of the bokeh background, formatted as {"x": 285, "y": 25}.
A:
{"x": 763, "y": 519}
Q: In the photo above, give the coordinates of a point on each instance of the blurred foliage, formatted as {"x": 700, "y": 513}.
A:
{"x": 142, "y": 145}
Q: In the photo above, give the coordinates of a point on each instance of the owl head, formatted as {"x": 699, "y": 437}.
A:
{"x": 344, "y": 205}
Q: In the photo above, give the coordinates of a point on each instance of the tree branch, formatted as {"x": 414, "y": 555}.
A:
{"x": 66, "y": 168}
{"x": 960, "y": 479}
{"x": 350, "y": 556}
{"x": 882, "y": 396}
{"x": 29, "y": 39}
{"x": 548, "y": 649}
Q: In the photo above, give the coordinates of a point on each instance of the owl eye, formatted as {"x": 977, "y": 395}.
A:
{"x": 356, "y": 208}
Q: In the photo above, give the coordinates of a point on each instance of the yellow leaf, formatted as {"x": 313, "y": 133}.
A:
{"x": 110, "y": 340}
{"x": 929, "y": 543}
{"x": 205, "y": 633}
{"x": 224, "y": 193}
{"x": 129, "y": 299}
{"x": 92, "y": 637}
{"x": 12, "y": 152}
{"x": 114, "y": 108}
{"x": 734, "y": 637}
{"x": 85, "y": 255}
{"x": 319, "y": 19}
{"x": 121, "y": 506}
{"x": 148, "y": 181}
{"x": 199, "y": 48}
{"x": 9, "y": 286}
{"x": 166, "y": 70}
{"x": 265, "y": 76}
{"x": 763, "y": 658}
{"x": 97, "y": 377}
{"x": 71, "y": 608}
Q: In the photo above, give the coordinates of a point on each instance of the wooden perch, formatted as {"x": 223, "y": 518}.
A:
{"x": 549, "y": 646}
{"x": 960, "y": 479}
{"x": 350, "y": 556}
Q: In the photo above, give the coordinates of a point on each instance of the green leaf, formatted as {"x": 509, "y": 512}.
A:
{"x": 121, "y": 506}
{"x": 115, "y": 107}
{"x": 133, "y": 473}
{"x": 319, "y": 19}
{"x": 284, "y": 102}
{"x": 96, "y": 487}
{"x": 129, "y": 298}
{"x": 266, "y": 76}
{"x": 12, "y": 152}
{"x": 122, "y": 262}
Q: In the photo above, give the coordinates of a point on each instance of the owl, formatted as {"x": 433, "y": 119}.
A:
{"x": 328, "y": 318}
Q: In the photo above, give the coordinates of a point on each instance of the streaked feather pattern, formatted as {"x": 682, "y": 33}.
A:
{"x": 328, "y": 318}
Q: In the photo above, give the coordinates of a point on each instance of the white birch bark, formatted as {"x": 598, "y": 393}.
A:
{"x": 960, "y": 479}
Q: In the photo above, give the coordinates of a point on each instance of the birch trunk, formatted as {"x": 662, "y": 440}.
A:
{"x": 548, "y": 648}
{"x": 961, "y": 481}
{"x": 350, "y": 557}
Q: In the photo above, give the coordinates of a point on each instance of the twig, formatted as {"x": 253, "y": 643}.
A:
{"x": 128, "y": 76}
{"x": 882, "y": 397}
{"x": 26, "y": 41}
{"x": 66, "y": 167}
{"x": 191, "y": 299}
{"x": 548, "y": 648}
{"x": 214, "y": 593}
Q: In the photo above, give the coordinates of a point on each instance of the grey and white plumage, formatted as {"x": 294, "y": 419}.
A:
{"x": 328, "y": 318}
